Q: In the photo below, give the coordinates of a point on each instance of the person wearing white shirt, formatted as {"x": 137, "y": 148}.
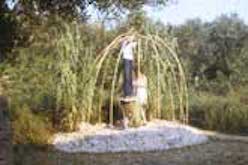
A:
{"x": 127, "y": 49}
{"x": 140, "y": 91}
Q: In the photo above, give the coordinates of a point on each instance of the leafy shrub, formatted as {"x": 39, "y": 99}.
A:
{"x": 224, "y": 113}
{"x": 29, "y": 127}
{"x": 57, "y": 66}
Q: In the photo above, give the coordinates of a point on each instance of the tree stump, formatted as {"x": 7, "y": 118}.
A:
{"x": 134, "y": 112}
{"x": 5, "y": 133}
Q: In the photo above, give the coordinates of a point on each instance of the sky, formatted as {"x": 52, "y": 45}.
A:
{"x": 207, "y": 10}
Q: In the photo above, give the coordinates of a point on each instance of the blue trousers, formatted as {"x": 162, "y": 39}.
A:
{"x": 128, "y": 80}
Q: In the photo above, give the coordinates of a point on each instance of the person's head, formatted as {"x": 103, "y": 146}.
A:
{"x": 128, "y": 40}
{"x": 131, "y": 38}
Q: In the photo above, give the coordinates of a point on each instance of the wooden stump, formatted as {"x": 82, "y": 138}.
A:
{"x": 5, "y": 133}
{"x": 134, "y": 112}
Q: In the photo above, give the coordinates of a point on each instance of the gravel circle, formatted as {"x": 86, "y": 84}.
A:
{"x": 155, "y": 136}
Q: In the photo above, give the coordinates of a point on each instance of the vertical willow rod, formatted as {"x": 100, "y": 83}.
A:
{"x": 111, "y": 114}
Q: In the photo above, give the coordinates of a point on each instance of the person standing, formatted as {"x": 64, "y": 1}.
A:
{"x": 127, "y": 49}
{"x": 140, "y": 90}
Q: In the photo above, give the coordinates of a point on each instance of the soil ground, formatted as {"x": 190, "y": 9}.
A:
{"x": 215, "y": 152}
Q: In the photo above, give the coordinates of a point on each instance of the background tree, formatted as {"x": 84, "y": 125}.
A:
{"x": 212, "y": 47}
{"x": 17, "y": 25}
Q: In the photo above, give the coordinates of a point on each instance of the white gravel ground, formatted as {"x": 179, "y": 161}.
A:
{"x": 156, "y": 135}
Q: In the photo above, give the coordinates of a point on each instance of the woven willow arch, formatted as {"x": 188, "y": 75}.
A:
{"x": 166, "y": 78}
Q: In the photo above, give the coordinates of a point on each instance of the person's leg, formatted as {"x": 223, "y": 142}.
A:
{"x": 127, "y": 89}
{"x": 128, "y": 82}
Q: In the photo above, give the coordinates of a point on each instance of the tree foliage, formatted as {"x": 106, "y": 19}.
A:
{"x": 212, "y": 47}
{"x": 77, "y": 8}
{"x": 17, "y": 25}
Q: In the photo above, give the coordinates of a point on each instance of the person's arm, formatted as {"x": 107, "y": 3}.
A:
{"x": 142, "y": 81}
{"x": 135, "y": 85}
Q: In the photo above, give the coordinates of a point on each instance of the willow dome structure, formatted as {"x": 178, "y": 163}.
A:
{"x": 157, "y": 59}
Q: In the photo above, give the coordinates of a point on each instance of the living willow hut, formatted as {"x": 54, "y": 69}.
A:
{"x": 157, "y": 59}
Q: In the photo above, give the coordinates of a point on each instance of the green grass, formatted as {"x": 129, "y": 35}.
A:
{"x": 227, "y": 113}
